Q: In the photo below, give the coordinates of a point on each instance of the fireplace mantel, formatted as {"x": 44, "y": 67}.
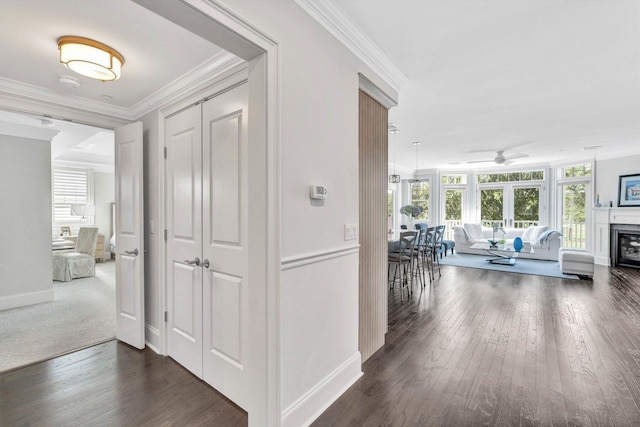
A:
{"x": 602, "y": 220}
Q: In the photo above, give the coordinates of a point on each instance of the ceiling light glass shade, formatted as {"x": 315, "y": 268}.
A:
{"x": 394, "y": 179}
{"x": 90, "y": 58}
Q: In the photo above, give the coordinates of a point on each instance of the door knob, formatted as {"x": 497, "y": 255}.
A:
{"x": 205, "y": 263}
{"x": 193, "y": 262}
{"x": 133, "y": 252}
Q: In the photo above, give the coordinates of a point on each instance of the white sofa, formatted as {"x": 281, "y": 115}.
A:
{"x": 545, "y": 242}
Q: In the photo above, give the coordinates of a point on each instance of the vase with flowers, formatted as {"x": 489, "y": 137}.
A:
{"x": 411, "y": 211}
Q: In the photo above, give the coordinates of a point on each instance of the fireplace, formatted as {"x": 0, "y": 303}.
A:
{"x": 625, "y": 245}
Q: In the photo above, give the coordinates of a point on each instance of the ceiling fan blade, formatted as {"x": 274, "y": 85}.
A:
{"x": 503, "y": 149}
{"x": 516, "y": 156}
{"x": 482, "y": 161}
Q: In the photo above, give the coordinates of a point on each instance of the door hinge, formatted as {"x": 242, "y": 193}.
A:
{"x": 165, "y": 152}
{"x": 166, "y": 316}
{"x": 165, "y": 235}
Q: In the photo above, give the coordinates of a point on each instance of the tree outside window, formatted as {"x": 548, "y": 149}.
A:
{"x": 420, "y": 197}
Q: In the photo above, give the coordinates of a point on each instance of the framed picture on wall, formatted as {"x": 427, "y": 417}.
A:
{"x": 629, "y": 190}
{"x": 65, "y": 231}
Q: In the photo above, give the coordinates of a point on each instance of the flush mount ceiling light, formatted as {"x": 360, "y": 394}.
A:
{"x": 90, "y": 58}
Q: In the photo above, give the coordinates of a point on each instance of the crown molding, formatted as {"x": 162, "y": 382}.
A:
{"x": 24, "y": 131}
{"x": 368, "y": 87}
{"x": 334, "y": 20}
{"x": 27, "y": 98}
{"x": 201, "y": 77}
{"x": 26, "y": 91}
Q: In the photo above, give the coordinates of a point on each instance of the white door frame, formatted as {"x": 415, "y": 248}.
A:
{"x": 208, "y": 18}
{"x": 244, "y": 40}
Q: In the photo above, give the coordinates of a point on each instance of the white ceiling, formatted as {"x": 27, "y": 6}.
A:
{"x": 156, "y": 52}
{"x": 549, "y": 77}
{"x": 540, "y": 77}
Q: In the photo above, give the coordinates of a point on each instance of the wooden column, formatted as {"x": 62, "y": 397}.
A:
{"x": 373, "y": 140}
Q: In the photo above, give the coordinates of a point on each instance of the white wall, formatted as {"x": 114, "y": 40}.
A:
{"x": 607, "y": 173}
{"x": 319, "y": 145}
{"x": 25, "y": 221}
{"x": 104, "y": 196}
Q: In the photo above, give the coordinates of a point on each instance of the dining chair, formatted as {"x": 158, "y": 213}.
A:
{"x": 427, "y": 251}
{"x": 438, "y": 246}
{"x": 402, "y": 261}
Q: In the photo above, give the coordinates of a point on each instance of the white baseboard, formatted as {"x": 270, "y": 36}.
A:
{"x": 600, "y": 260}
{"x": 20, "y": 300}
{"x": 314, "y": 402}
{"x": 152, "y": 337}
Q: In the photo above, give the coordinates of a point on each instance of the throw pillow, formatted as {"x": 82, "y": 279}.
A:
{"x": 526, "y": 236}
{"x": 474, "y": 230}
{"x": 537, "y": 231}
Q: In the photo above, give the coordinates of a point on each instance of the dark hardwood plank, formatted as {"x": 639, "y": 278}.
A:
{"x": 112, "y": 384}
{"x": 488, "y": 348}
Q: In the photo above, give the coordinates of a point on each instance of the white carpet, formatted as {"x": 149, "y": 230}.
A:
{"x": 83, "y": 313}
{"x": 522, "y": 266}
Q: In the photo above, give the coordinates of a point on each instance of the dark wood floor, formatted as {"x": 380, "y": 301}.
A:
{"x": 112, "y": 384}
{"x": 488, "y": 348}
{"x": 478, "y": 348}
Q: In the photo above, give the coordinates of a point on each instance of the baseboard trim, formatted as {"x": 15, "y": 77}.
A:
{"x": 314, "y": 402}
{"x": 30, "y": 298}
{"x": 600, "y": 260}
{"x": 152, "y": 337}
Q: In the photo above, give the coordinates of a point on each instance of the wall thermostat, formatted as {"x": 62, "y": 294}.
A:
{"x": 318, "y": 192}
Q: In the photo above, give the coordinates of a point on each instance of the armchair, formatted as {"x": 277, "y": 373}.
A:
{"x": 79, "y": 263}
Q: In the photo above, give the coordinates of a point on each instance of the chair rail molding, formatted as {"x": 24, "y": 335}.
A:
{"x": 336, "y": 22}
{"x": 318, "y": 256}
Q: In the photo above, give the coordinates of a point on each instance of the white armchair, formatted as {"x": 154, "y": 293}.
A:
{"x": 80, "y": 262}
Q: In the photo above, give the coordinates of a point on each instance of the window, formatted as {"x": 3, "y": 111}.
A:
{"x": 512, "y": 199}
{"x": 452, "y": 200}
{"x": 420, "y": 197}
{"x": 574, "y": 185}
{"x": 70, "y": 186}
{"x": 576, "y": 171}
{"x": 486, "y": 178}
{"x": 458, "y": 179}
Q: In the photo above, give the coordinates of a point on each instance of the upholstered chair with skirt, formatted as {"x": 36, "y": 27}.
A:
{"x": 79, "y": 263}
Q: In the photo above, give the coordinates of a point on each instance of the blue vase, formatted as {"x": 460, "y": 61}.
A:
{"x": 517, "y": 244}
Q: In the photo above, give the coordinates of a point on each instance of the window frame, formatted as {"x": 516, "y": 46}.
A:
{"x": 65, "y": 202}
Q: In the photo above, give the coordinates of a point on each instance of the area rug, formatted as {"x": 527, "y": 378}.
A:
{"x": 522, "y": 266}
{"x": 83, "y": 313}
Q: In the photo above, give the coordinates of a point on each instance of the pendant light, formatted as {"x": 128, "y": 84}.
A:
{"x": 416, "y": 181}
{"x": 394, "y": 179}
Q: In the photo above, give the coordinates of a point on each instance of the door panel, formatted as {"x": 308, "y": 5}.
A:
{"x": 226, "y": 313}
{"x": 225, "y": 178}
{"x": 492, "y": 206}
{"x": 129, "y": 235}
{"x": 526, "y": 206}
{"x": 225, "y": 207}
{"x": 183, "y": 139}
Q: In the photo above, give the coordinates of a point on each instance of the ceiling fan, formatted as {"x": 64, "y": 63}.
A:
{"x": 501, "y": 159}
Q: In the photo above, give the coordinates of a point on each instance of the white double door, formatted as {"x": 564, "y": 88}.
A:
{"x": 207, "y": 256}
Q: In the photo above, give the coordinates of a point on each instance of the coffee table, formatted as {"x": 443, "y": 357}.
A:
{"x": 503, "y": 253}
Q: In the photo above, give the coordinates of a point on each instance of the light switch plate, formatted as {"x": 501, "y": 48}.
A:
{"x": 350, "y": 231}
